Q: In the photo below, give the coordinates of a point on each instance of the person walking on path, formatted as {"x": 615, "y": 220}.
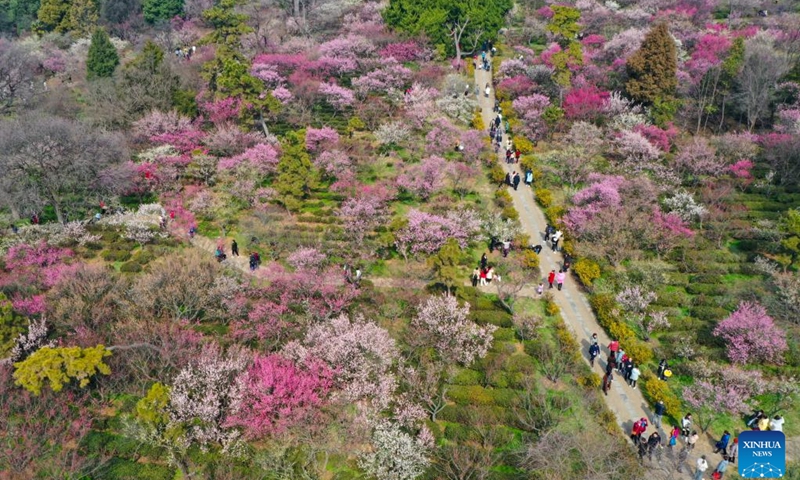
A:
{"x": 662, "y": 367}
{"x": 607, "y": 379}
{"x": 702, "y": 466}
{"x": 594, "y": 351}
{"x": 508, "y": 179}
{"x": 722, "y": 444}
{"x": 719, "y": 472}
{"x": 476, "y": 275}
{"x": 234, "y": 249}
{"x": 556, "y": 238}
{"x": 692, "y": 441}
{"x": 540, "y": 288}
{"x": 639, "y": 427}
{"x": 653, "y": 443}
{"x": 516, "y": 180}
{"x": 560, "y": 276}
{"x": 484, "y": 261}
{"x": 673, "y": 436}
{"x": 658, "y": 412}
{"x": 628, "y": 368}
{"x": 551, "y": 278}
{"x": 613, "y": 347}
{"x": 634, "y": 376}
{"x": 487, "y": 90}
{"x": 686, "y": 426}
{"x": 528, "y": 177}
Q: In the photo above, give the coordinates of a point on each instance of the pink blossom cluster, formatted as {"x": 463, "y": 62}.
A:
{"x": 408, "y": 51}
{"x": 427, "y": 232}
{"x": 307, "y": 259}
{"x": 339, "y": 97}
{"x": 602, "y": 193}
{"x": 659, "y": 137}
{"x": 360, "y": 353}
{"x": 751, "y": 335}
{"x": 425, "y": 178}
{"x": 220, "y": 110}
{"x": 512, "y": 67}
{"x": 276, "y": 393}
{"x": 262, "y": 157}
{"x": 158, "y": 123}
{"x": 362, "y": 214}
{"x": 442, "y": 137}
{"x": 334, "y": 162}
{"x": 585, "y": 103}
{"x": 320, "y": 139}
{"x": 516, "y": 86}
{"x": 390, "y": 76}
{"x": 29, "y": 306}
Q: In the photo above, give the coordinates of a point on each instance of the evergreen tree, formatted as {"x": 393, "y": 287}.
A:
{"x": 103, "y": 57}
{"x": 155, "y": 10}
{"x": 81, "y": 17}
{"x": 228, "y": 25}
{"x": 296, "y": 174}
{"x": 51, "y": 15}
{"x": 444, "y": 265}
{"x": 652, "y": 70}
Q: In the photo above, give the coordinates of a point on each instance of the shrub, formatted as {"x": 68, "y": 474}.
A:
{"x": 130, "y": 267}
{"x": 605, "y": 308}
{"x": 620, "y": 331}
{"x": 477, "y": 121}
{"x": 494, "y": 317}
{"x": 675, "y": 298}
{"x": 496, "y": 174}
{"x": 467, "y": 377}
{"x": 702, "y": 288}
{"x": 504, "y": 335}
{"x": 530, "y": 259}
{"x": 457, "y": 433}
{"x": 551, "y": 308}
{"x": 116, "y": 256}
{"x": 470, "y": 395}
{"x": 524, "y": 145}
{"x": 587, "y": 271}
{"x": 554, "y": 214}
{"x": 510, "y": 213}
{"x": 636, "y": 349}
{"x": 590, "y": 381}
{"x": 544, "y": 197}
{"x": 709, "y": 314}
{"x": 502, "y": 198}
{"x": 655, "y": 390}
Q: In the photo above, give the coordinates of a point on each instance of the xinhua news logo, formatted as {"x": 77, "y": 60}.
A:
{"x": 762, "y": 454}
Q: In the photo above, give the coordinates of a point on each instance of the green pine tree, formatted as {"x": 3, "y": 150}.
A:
{"x": 296, "y": 174}
{"x": 103, "y": 58}
{"x": 652, "y": 70}
{"x": 155, "y": 10}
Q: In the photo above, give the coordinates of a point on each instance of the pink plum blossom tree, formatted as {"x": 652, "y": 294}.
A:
{"x": 751, "y": 335}
{"x": 360, "y": 353}
{"x": 425, "y": 178}
{"x": 276, "y": 394}
{"x": 427, "y": 232}
{"x": 320, "y": 139}
{"x": 726, "y": 390}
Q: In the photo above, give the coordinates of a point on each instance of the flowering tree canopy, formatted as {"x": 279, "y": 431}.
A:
{"x": 752, "y": 336}
{"x": 445, "y": 326}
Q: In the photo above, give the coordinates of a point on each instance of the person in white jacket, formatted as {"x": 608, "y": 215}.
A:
{"x": 702, "y": 466}
{"x": 776, "y": 424}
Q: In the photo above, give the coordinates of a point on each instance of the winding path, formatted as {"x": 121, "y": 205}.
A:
{"x": 627, "y": 403}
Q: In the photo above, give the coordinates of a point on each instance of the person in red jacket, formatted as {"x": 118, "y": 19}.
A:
{"x": 551, "y": 278}
{"x": 613, "y": 347}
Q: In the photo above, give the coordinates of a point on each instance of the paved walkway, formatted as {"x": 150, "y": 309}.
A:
{"x": 627, "y": 403}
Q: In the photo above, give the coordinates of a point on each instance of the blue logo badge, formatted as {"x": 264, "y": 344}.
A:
{"x": 762, "y": 454}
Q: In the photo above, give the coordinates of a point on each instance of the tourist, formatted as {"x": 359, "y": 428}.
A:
{"x": 484, "y": 261}
{"x": 639, "y": 427}
{"x": 692, "y": 440}
{"x": 516, "y": 180}
{"x": 673, "y": 436}
{"x": 733, "y": 451}
{"x": 607, "y": 379}
{"x": 613, "y": 346}
{"x": 653, "y": 442}
{"x": 234, "y": 249}
{"x": 560, "y": 277}
{"x": 594, "y": 351}
{"x": 753, "y": 422}
{"x": 702, "y": 466}
{"x": 719, "y": 472}
{"x": 635, "y": 372}
{"x": 686, "y": 426}
{"x": 528, "y": 177}
{"x": 594, "y": 339}
{"x": 551, "y": 278}
{"x": 722, "y": 444}
{"x": 658, "y": 412}
{"x": 540, "y": 288}
{"x": 763, "y": 423}
{"x": 776, "y": 424}
{"x": 662, "y": 366}
{"x": 476, "y": 275}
